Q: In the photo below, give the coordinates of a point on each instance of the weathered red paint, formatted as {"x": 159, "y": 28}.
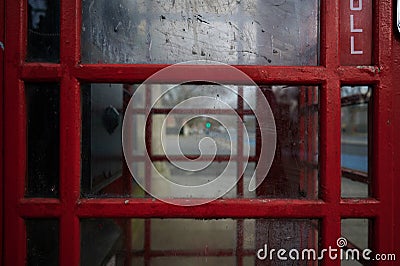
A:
{"x": 356, "y": 32}
{"x": 2, "y": 7}
{"x": 329, "y": 76}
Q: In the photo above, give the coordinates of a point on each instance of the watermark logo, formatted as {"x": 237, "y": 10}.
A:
{"x": 341, "y": 252}
{"x": 167, "y": 82}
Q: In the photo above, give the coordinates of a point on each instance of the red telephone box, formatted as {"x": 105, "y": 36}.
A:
{"x": 72, "y": 72}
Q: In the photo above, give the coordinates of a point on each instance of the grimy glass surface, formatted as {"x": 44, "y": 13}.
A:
{"x": 356, "y": 232}
{"x": 244, "y": 32}
{"x": 193, "y": 242}
{"x": 43, "y": 31}
{"x": 355, "y": 135}
{"x": 294, "y": 170}
{"x": 42, "y": 242}
{"x": 43, "y": 139}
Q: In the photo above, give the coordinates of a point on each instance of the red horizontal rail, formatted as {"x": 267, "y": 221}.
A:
{"x": 40, "y": 207}
{"x": 307, "y": 75}
{"x": 259, "y": 74}
{"x": 224, "y": 208}
{"x": 41, "y": 72}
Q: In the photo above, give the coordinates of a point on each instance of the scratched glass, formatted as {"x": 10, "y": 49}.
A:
{"x": 355, "y": 146}
{"x": 43, "y": 31}
{"x": 294, "y": 171}
{"x": 243, "y": 32}
{"x": 170, "y": 242}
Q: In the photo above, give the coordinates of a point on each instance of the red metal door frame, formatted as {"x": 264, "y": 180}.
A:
{"x": 2, "y": 28}
{"x": 329, "y": 76}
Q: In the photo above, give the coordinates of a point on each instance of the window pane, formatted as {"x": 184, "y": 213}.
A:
{"x": 193, "y": 242}
{"x": 356, "y": 232}
{"x": 42, "y": 242}
{"x": 43, "y": 148}
{"x": 356, "y": 105}
{"x": 242, "y": 32}
{"x": 43, "y": 31}
{"x": 192, "y": 143}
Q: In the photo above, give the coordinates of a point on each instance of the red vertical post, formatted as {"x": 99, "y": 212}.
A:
{"x": 330, "y": 125}
{"x": 2, "y": 40}
{"x": 70, "y": 137}
{"x": 383, "y": 175}
{"x": 14, "y": 134}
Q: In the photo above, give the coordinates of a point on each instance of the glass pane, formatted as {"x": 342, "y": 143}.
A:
{"x": 43, "y": 31}
{"x": 42, "y": 242}
{"x": 356, "y": 105}
{"x": 102, "y": 112}
{"x": 195, "y": 140}
{"x": 194, "y": 242}
{"x": 356, "y": 233}
{"x": 43, "y": 147}
{"x": 242, "y": 32}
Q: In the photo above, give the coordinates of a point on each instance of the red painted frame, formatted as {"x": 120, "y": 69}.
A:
{"x": 329, "y": 76}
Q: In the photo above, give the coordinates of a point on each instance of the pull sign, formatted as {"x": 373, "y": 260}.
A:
{"x": 356, "y": 32}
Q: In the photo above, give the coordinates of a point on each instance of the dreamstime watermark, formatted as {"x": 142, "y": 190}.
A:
{"x": 165, "y": 84}
{"x": 340, "y": 252}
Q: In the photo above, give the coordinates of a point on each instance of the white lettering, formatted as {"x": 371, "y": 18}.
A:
{"x": 352, "y": 29}
{"x": 260, "y": 251}
{"x": 359, "y": 8}
{"x": 366, "y": 253}
{"x": 296, "y": 255}
{"x": 352, "y": 49}
{"x": 281, "y": 254}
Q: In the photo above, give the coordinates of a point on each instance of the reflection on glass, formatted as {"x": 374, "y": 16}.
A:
{"x": 171, "y": 241}
{"x": 192, "y": 143}
{"x": 356, "y": 104}
{"x": 43, "y": 31}
{"x": 43, "y": 147}
{"x": 42, "y": 242}
{"x": 234, "y": 32}
{"x": 356, "y": 232}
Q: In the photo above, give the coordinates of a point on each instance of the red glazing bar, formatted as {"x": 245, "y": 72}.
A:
{"x": 70, "y": 133}
{"x": 2, "y": 40}
{"x": 223, "y": 208}
{"x": 14, "y": 134}
{"x": 330, "y": 125}
{"x": 41, "y": 72}
{"x": 307, "y": 75}
{"x": 383, "y": 175}
{"x": 396, "y": 147}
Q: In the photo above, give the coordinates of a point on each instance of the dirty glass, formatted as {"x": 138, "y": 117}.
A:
{"x": 43, "y": 31}
{"x": 356, "y": 233}
{"x": 42, "y": 250}
{"x": 355, "y": 135}
{"x": 173, "y": 132}
{"x": 241, "y": 32}
{"x": 193, "y": 242}
{"x": 43, "y": 139}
